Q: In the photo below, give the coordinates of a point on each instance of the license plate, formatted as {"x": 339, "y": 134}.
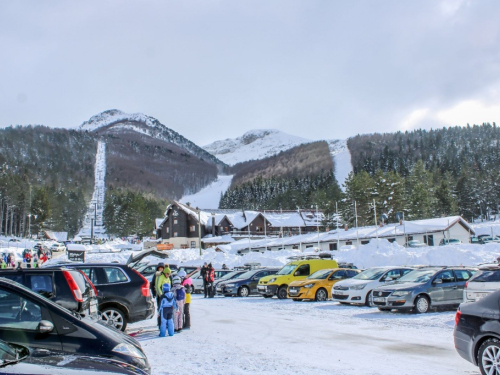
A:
{"x": 338, "y": 293}
{"x": 378, "y": 299}
{"x": 480, "y": 295}
{"x": 262, "y": 287}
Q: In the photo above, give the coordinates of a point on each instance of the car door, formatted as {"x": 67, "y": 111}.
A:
{"x": 443, "y": 288}
{"x": 20, "y": 316}
{"x": 390, "y": 276}
{"x": 252, "y": 283}
{"x": 461, "y": 276}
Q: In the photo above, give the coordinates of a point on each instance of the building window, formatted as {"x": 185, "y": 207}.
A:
{"x": 348, "y": 242}
{"x": 175, "y": 234}
{"x": 309, "y": 246}
{"x": 176, "y": 221}
{"x": 193, "y": 244}
{"x": 391, "y": 240}
{"x": 168, "y": 230}
{"x": 365, "y": 242}
{"x": 333, "y": 246}
{"x": 226, "y": 229}
{"x": 192, "y": 228}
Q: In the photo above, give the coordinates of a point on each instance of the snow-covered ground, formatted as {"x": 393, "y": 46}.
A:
{"x": 261, "y": 336}
{"x": 341, "y": 159}
{"x": 209, "y": 196}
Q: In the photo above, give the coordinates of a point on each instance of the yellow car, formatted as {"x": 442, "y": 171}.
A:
{"x": 319, "y": 285}
{"x": 276, "y": 285}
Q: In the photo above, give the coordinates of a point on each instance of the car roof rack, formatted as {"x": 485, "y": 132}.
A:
{"x": 311, "y": 256}
{"x": 248, "y": 266}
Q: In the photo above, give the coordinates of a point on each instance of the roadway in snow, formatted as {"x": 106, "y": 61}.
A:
{"x": 260, "y": 336}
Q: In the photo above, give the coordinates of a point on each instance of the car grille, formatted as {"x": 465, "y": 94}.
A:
{"x": 263, "y": 282}
{"x": 337, "y": 296}
{"x": 294, "y": 291}
{"x": 381, "y": 294}
{"x": 338, "y": 287}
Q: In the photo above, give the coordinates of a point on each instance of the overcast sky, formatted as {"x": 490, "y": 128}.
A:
{"x": 216, "y": 69}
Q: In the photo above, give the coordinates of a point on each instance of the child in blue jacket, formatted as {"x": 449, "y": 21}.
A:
{"x": 166, "y": 311}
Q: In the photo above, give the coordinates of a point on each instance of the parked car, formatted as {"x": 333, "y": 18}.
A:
{"x": 415, "y": 243}
{"x": 148, "y": 269}
{"x": 296, "y": 270}
{"x": 449, "y": 241}
{"x": 489, "y": 239}
{"x": 17, "y": 359}
{"x": 227, "y": 277}
{"x": 29, "y": 319}
{"x": 358, "y": 290}
{"x": 423, "y": 289}
{"x": 477, "y": 332}
{"x": 246, "y": 283}
{"x": 318, "y": 286}
{"x": 123, "y": 293}
{"x": 485, "y": 281}
{"x": 198, "y": 280}
{"x": 57, "y": 247}
{"x": 64, "y": 286}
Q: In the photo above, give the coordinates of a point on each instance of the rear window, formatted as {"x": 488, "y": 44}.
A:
{"x": 115, "y": 275}
{"x": 487, "y": 276}
{"x": 41, "y": 284}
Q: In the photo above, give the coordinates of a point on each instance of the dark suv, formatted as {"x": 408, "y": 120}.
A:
{"x": 424, "y": 288}
{"x": 29, "y": 319}
{"x": 246, "y": 283}
{"x": 67, "y": 287}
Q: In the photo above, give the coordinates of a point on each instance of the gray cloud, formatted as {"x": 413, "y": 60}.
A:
{"x": 215, "y": 69}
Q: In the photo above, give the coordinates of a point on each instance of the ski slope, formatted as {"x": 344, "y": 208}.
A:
{"x": 209, "y": 196}
{"x": 341, "y": 160}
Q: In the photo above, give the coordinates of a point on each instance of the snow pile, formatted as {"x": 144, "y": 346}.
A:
{"x": 209, "y": 196}
{"x": 254, "y": 145}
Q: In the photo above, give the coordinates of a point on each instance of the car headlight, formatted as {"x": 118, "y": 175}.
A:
{"x": 401, "y": 293}
{"x": 358, "y": 287}
{"x": 309, "y": 285}
{"x": 128, "y": 349}
{"x": 272, "y": 280}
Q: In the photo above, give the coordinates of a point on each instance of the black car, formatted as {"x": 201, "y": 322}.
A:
{"x": 29, "y": 319}
{"x": 477, "y": 333}
{"x": 123, "y": 293}
{"x": 227, "y": 277}
{"x": 246, "y": 283}
{"x": 65, "y": 286}
{"x": 17, "y": 359}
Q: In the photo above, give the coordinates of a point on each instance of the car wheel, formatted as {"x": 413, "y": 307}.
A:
{"x": 369, "y": 299}
{"x": 243, "y": 292}
{"x": 321, "y": 295}
{"x": 421, "y": 305}
{"x": 282, "y": 292}
{"x": 114, "y": 317}
{"x": 488, "y": 357}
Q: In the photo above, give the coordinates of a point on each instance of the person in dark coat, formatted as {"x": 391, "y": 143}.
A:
{"x": 210, "y": 278}
{"x": 159, "y": 269}
{"x": 203, "y": 274}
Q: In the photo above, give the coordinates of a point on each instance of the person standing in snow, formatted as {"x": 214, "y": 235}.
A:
{"x": 203, "y": 274}
{"x": 187, "y": 283}
{"x": 166, "y": 311}
{"x": 159, "y": 269}
{"x": 210, "y": 278}
{"x": 180, "y": 296}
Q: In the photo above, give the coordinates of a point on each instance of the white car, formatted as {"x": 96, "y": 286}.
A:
{"x": 484, "y": 282}
{"x": 358, "y": 290}
{"x": 198, "y": 280}
{"x": 58, "y": 247}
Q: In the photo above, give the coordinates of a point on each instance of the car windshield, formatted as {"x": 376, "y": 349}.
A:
{"x": 487, "y": 276}
{"x": 370, "y": 274}
{"x": 320, "y": 275}
{"x": 7, "y": 353}
{"x": 230, "y": 275}
{"x": 417, "y": 276}
{"x": 287, "y": 270}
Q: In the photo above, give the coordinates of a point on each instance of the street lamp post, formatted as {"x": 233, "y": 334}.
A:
{"x": 92, "y": 230}
{"x": 317, "y": 224}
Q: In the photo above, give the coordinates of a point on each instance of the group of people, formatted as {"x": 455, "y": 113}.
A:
{"x": 208, "y": 275}
{"x": 173, "y": 299}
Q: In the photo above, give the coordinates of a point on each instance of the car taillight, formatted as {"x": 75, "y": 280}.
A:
{"x": 457, "y": 317}
{"x": 467, "y": 283}
{"x": 90, "y": 282}
{"x": 146, "y": 292}
{"x": 77, "y": 293}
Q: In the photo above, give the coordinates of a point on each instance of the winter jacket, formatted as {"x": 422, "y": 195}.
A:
{"x": 188, "y": 285}
{"x": 152, "y": 284}
{"x": 161, "y": 280}
{"x": 210, "y": 275}
{"x": 168, "y": 305}
{"x": 203, "y": 272}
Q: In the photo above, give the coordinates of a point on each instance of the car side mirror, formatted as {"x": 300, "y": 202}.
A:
{"x": 438, "y": 281}
{"x": 296, "y": 273}
{"x": 45, "y": 326}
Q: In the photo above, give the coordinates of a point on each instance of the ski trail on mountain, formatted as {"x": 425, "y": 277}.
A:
{"x": 209, "y": 196}
{"x": 341, "y": 160}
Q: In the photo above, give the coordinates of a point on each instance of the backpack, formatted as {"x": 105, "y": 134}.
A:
{"x": 180, "y": 294}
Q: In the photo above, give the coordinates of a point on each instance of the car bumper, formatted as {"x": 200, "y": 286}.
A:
{"x": 228, "y": 291}
{"x": 464, "y": 345}
{"x": 349, "y": 296}
{"x": 301, "y": 293}
{"x": 403, "y": 303}
{"x": 148, "y": 313}
{"x": 267, "y": 290}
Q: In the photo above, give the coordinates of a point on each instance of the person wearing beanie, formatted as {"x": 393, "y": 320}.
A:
{"x": 180, "y": 296}
{"x": 166, "y": 310}
{"x": 152, "y": 284}
{"x": 187, "y": 283}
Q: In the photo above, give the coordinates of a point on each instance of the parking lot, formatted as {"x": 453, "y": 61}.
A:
{"x": 256, "y": 335}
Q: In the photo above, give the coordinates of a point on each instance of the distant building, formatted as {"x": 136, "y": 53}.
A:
{"x": 183, "y": 225}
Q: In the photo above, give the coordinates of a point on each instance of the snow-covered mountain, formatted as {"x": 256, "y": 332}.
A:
{"x": 115, "y": 119}
{"x": 253, "y": 145}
